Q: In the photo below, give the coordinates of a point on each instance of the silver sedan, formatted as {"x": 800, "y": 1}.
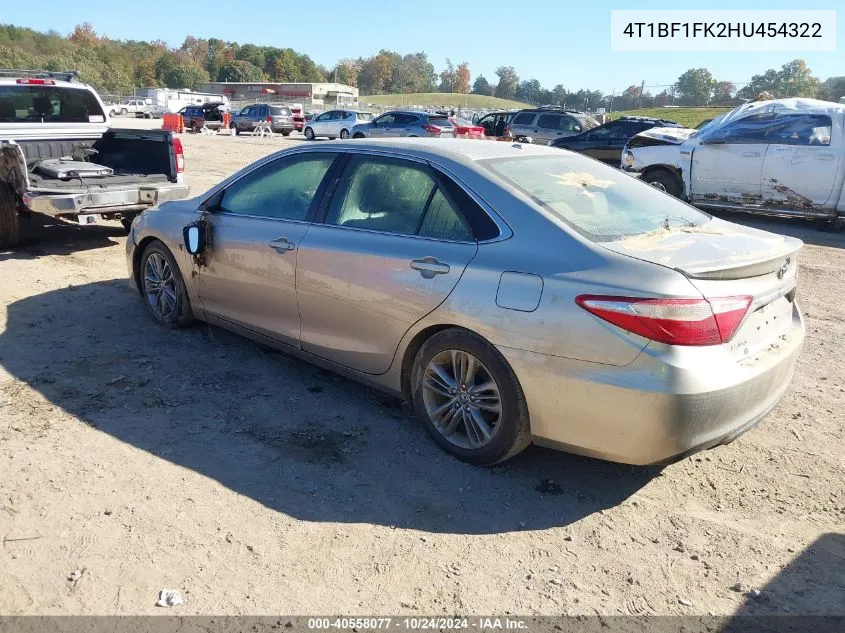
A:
{"x": 513, "y": 293}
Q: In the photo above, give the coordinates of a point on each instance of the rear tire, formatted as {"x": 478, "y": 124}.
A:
{"x": 664, "y": 181}
{"x": 171, "y": 307}
{"x": 506, "y": 425}
{"x": 124, "y": 111}
{"x": 9, "y": 218}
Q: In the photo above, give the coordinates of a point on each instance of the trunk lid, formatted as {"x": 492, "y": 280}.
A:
{"x": 722, "y": 259}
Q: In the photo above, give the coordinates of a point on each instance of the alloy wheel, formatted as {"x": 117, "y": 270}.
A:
{"x": 160, "y": 287}
{"x": 462, "y": 399}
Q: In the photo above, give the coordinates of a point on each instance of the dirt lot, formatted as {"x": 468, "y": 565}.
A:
{"x": 254, "y": 483}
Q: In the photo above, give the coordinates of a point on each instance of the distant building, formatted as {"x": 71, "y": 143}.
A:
{"x": 329, "y": 94}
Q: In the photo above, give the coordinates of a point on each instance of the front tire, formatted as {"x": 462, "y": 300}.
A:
{"x": 309, "y": 134}
{"x": 9, "y": 218}
{"x": 163, "y": 287}
{"x": 469, "y": 399}
{"x": 124, "y": 111}
{"x": 664, "y": 181}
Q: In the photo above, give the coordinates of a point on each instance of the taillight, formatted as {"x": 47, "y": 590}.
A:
{"x": 672, "y": 321}
{"x": 269, "y": 119}
{"x": 179, "y": 155}
{"x": 431, "y": 129}
{"x": 36, "y": 82}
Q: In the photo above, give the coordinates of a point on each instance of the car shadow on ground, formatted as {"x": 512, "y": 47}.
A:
{"x": 807, "y": 595}
{"x": 300, "y": 440}
{"x": 42, "y": 235}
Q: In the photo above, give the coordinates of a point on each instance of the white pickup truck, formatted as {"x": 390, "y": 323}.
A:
{"x": 58, "y": 156}
{"x": 782, "y": 157}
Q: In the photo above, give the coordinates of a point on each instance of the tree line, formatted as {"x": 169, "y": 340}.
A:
{"x": 119, "y": 66}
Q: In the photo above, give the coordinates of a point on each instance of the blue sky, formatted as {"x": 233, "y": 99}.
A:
{"x": 554, "y": 41}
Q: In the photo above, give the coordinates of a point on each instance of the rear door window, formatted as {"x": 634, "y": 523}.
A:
{"x": 395, "y": 196}
{"x": 524, "y": 118}
{"x": 549, "y": 121}
{"x": 280, "y": 111}
{"x": 50, "y": 104}
{"x": 801, "y": 129}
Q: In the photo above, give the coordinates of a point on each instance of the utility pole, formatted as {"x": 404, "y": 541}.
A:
{"x": 612, "y": 94}
{"x": 642, "y": 89}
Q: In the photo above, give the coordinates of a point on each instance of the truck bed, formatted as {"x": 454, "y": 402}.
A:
{"x": 137, "y": 157}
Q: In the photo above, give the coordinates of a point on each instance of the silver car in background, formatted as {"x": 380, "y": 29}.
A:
{"x": 335, "y": 124}
{"x": 514, "y": 293}
{"x": 411, "y": 124}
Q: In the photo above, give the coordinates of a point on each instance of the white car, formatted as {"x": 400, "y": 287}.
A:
{"x": 335, "y": 123}
{"x": 785, "y": 156}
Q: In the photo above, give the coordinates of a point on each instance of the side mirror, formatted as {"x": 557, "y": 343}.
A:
{"x": 194, "y": 236}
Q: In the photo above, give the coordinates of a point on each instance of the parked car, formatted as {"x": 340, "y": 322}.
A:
{"x": 399, "y": 123}
{"x": 514, "y": 293}
{"x": 298, "y": 117}
{"x": 132, "y": 106}
{"x": 209, "y": 115}
{"x": 785, "y": 156}
{"x": 279, "y": 117}
{"x": 335, "y": 123}
{"x": 605, "y": 142}
{"x": 152, "y": 111}
{"x": 496, "y": 124}
{"x": 61, "y": 158}
{"x": 544, "y": 125}
{"x": 467, "y": 128}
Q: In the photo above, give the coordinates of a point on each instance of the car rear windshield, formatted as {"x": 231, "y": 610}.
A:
{"x": 365, "y": 116}
{"x": 440, "y": 121}
{"x": 50, "y": 104}
{"x": 598, "y": 202}
{"x": 280, "y": 111}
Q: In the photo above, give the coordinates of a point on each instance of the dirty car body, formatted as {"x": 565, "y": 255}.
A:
{"x": 785, "y": 157}
{"x": 636, "y": 328}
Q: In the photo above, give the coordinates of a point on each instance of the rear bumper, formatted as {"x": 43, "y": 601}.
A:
{"x": 108, "y": 201}
{"x": 662, "y": 406}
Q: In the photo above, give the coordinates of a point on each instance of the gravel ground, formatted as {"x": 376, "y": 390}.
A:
{"x": 134, "y": 459}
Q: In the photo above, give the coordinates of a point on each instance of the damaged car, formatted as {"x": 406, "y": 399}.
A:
{"x": 514, "y": 293}
{"x": 782, "y": 157}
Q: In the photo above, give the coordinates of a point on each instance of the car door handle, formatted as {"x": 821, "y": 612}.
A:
{"x": 429, "y": 267}
{"x": 826, "y": 157}
{"x": 282, "y": 245}
{"x": 751, "y": 154}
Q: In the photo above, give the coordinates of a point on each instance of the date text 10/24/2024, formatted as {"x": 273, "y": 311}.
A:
{"x": 418, "y": 623}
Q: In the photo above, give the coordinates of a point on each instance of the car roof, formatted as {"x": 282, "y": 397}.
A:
{"x": 57, "y": 83}
{"x": 461, "y": 150}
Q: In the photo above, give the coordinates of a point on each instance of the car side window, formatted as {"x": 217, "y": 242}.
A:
{"x": 568, "y": 124}
{"x": 386, "y": 119}
{"x": 549, "y": 122}
{"x": 624, "y": 131}
{"x": 281, "y": 190}
{"x": 605, "y": 131}
{"x": 801, "y": 129}
{"x": 406, "y": 119}
{"x": 394, "y": 196}
{"x": 524, "y": 118}
{"x": 750, "y": 130}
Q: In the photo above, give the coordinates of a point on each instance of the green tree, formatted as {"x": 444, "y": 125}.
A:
{"x": 186, "y": 76}
{"x": 508, "y": 82}
{"x": 482, "y": 87}
{"x": 693, "y": 87}
{"x": 239, "y": 70}
{"x": 797, "y": 80}
{"x": 462, "y": 77}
